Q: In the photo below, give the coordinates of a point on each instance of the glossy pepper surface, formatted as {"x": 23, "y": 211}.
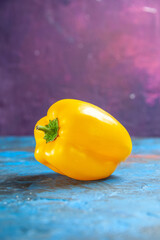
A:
{"x": 80, "y": 140}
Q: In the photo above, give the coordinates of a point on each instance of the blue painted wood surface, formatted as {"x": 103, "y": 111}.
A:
{"x": 37, "y": 203}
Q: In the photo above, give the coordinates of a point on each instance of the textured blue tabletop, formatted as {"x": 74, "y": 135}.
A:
{"x": 36, "y": 203}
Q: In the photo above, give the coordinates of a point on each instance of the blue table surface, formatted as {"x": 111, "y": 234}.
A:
{"x": 36, "y": 203}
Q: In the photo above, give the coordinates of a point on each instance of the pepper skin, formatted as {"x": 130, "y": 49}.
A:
{"x": 87, "y": 144}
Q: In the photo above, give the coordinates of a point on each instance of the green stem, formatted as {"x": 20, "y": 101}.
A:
{"x": 50, "y": 130}
{"x": 42, "y": 128}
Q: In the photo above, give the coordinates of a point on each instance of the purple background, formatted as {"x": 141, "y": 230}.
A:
{"x": 104, "y": 52}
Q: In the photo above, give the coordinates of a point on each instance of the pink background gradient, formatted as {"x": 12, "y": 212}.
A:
{"x": 103, "y": 52}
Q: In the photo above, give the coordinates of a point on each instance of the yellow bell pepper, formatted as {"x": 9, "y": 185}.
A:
{"x": 80, "y": 140}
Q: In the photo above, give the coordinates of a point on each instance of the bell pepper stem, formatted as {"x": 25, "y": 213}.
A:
{"x": 42, "y": 128}
{"x": 50, "y": 130}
